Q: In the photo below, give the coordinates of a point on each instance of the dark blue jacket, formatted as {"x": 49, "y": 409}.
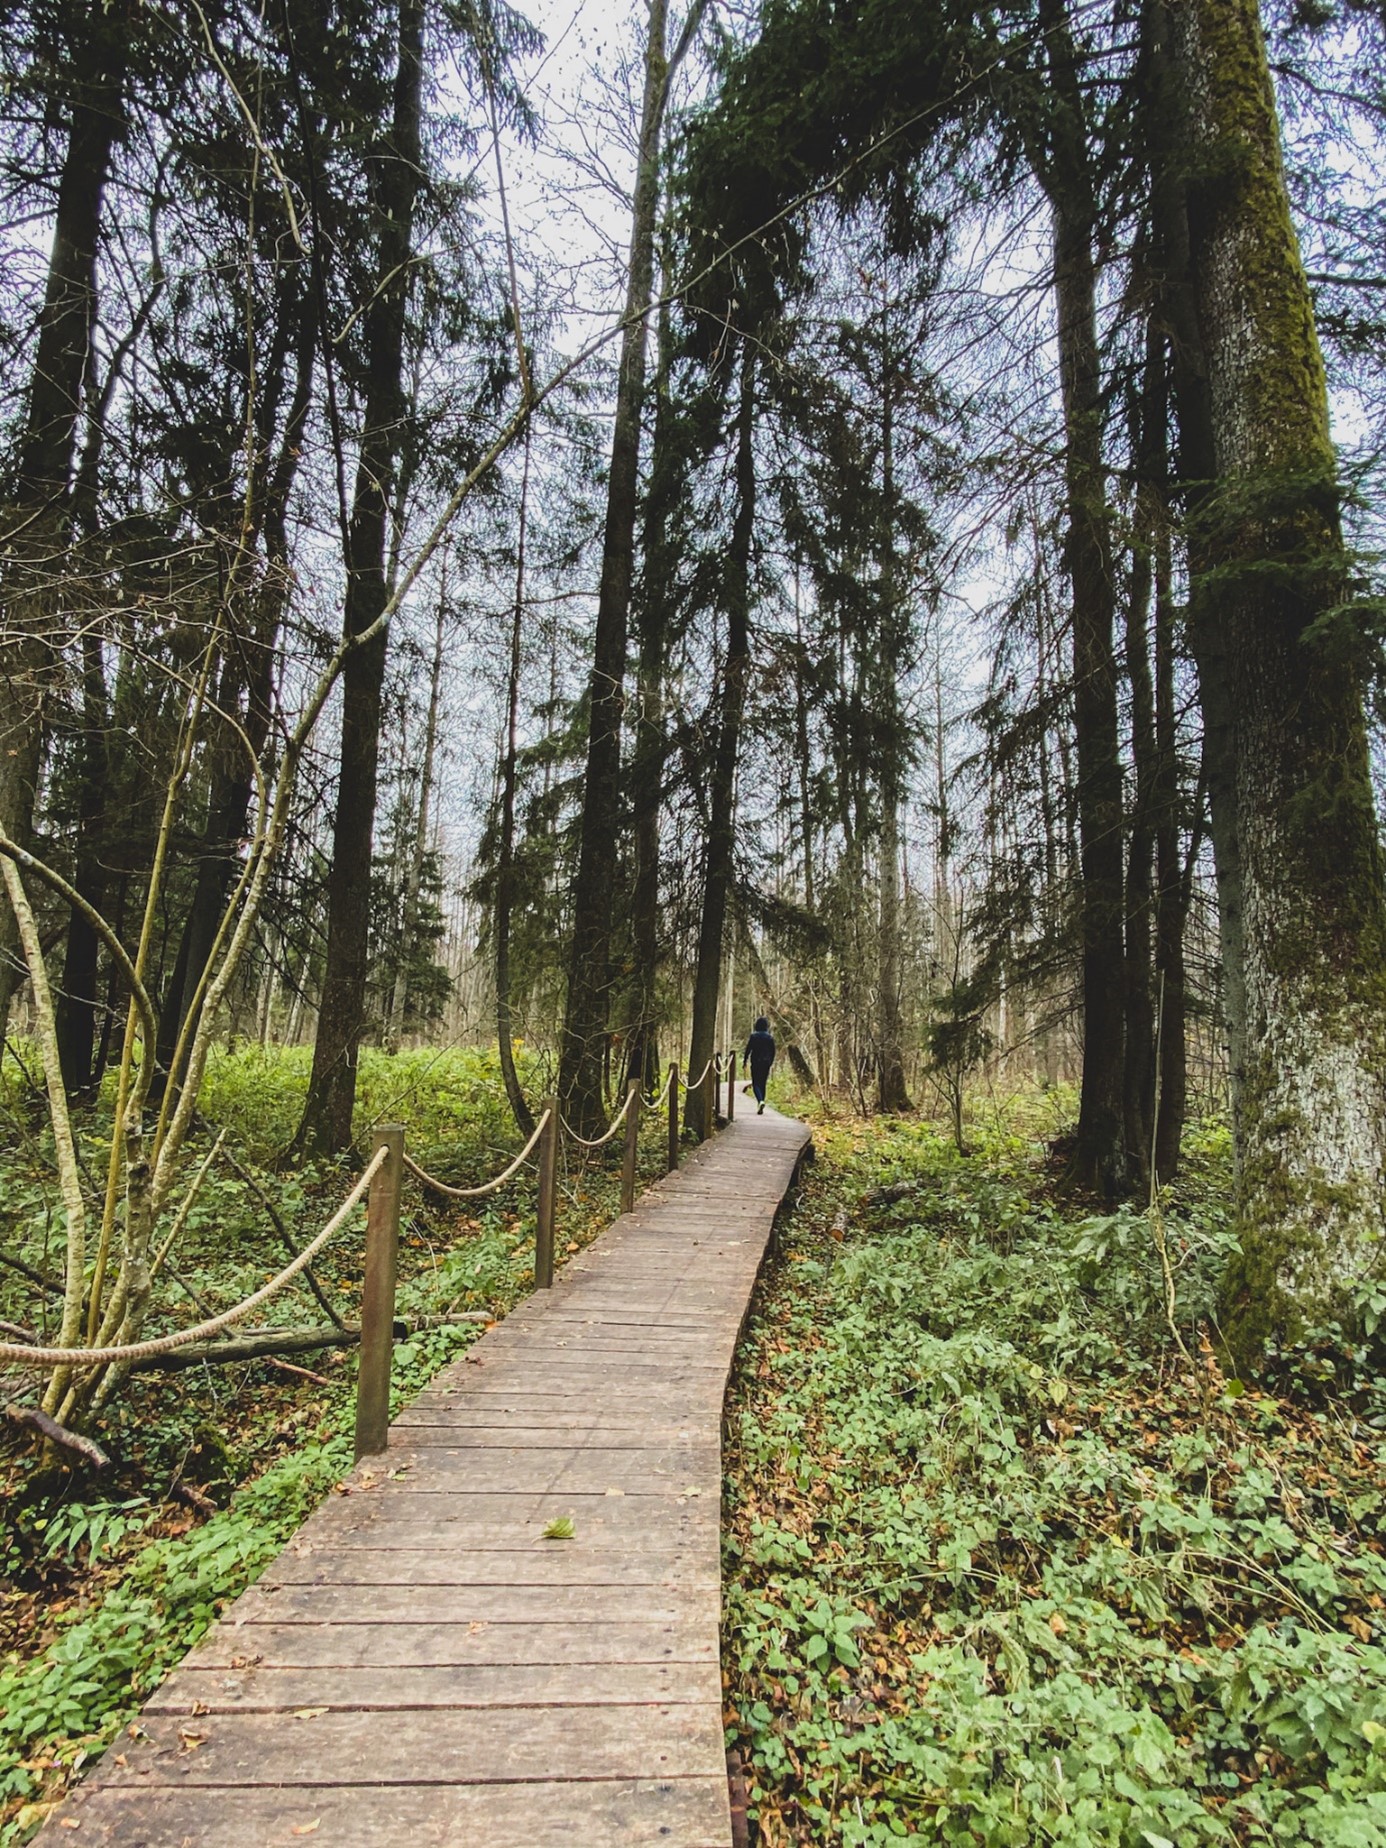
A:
{"x": 760, "y": 1053}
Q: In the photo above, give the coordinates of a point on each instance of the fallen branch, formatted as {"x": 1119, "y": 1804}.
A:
{"x": 254, "y": 1346}
{"x": 18, "y": 1332}
{"x": 886, "y": 1196}
{"x": 191, "y": 1497}
{"x": 259, "y": 1345}
{"x": 34, "y": 1420}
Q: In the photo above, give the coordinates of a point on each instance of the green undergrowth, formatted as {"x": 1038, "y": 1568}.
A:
{"x": 106, "y": 1580}
{"x": 1004, "y": 1565}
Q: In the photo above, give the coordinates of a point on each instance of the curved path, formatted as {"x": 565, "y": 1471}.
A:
{"x": 421, "y": 1665}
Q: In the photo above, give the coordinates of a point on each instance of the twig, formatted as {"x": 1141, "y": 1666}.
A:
{"x": 245, "y": 1175}
{"x": 49, "y": 1285}
{"x": 302, "y": 1373}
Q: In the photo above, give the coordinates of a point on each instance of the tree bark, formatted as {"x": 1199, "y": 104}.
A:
{"x": 1099, "y": 1155}
{"x": 582, "y": 1057}
{"x": 247, "y": 675}
{"x": 667, "y": 478}
{"x": 891, "y": 1092}
{"x": 1168, "y": 134}
{"x": 418, "y": 848}
{"x": 721, "y": 831}
{"x": 505, "y": 858}
{"x": 39, "y": 518}
{"x": 1312, "y": 1126}
{"x": 326, "y": 1126}
{"x": 1141, "y": 1029}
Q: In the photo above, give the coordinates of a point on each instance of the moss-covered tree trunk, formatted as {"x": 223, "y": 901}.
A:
{"x": 1312, "y": 1127}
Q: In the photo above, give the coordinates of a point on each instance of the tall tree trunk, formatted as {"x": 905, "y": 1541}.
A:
{"x": 1172, "y": 889}
{"x": 77, "y": 999}
{"x": 247, "y": 675}
{"x": 35, "y": 529}
{"x": 326, "y": 1125}
{"x": 653, "y": 608}
{"x": 582, "y": 1057}
{"x": 505, "y": 856}
{"x": 1167, "y": 135}
{"x": 1313, "y": 1106}
{"x": 891, "y": 1093}
{"x": 1099, "y": 1156}
{"x": 418, "y": 849}
{"x": 721, "y": 830}
{"x": 1139, "y": 1097}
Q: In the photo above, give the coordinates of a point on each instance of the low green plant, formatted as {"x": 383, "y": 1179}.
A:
{"x": 1000, "y": 1568}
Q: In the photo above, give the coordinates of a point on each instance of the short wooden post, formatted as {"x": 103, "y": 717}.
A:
{"x": 709, "y": 1099}
{"x": 632, "y": 1148}
{"x": 378, "y": 1295}
{"x": 673, "y": 1116}
{"x": 548, "y": 1190}
{"x": 731, "y": 1087}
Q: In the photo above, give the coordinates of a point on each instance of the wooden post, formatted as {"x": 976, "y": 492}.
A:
{"x": 548, "y": 1188}
{"x": 731, "y": 1087}
{"x": 632, "y": 1148}
{"x": 378, "y": 1295}
{"x": 673, "y": 1116}
{"x": 709, "y": 1100}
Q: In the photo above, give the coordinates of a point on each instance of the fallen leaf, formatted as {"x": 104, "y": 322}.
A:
{"x": 306, "y": 1828}
{"x": 560, "y": 1529}
{"x": 308, "y": 1713}
{"x": 1057, "y": 1624}
{"x": 615, "y": 1491}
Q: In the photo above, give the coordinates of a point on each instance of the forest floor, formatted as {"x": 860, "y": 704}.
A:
{"x": 106, "y": 1580}
{"x": 1005, "y": 1566}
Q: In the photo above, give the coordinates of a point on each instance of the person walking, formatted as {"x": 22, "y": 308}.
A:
{"x": 760, "y": 1056}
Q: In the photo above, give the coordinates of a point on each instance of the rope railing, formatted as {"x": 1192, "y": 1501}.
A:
{"x": 382, "y": 1179}
{"x": 422, "y": 1175}
{"x": 696, "y": 1084}
{"x": 166, "y": 1344}
{"x": 597, "y": 1142}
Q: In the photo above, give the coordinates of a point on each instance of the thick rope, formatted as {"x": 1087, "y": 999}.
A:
{"x": 165, "y": 1344}
{"x": 615, "y": 1124}
{"x": 489, "y": 1187}
{"x": 697, "y": 1082}
{"x": 653, "y": 1103}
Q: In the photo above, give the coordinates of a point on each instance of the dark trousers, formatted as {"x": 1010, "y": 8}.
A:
{"x": 759, "y": 1079}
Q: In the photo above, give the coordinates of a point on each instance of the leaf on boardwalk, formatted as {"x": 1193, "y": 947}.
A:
{"x": 561, "y": 1529}
{"x": 306, "y": 1828}
{"x": 308, "y": 1713}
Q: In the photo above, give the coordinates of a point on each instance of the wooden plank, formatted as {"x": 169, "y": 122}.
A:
{"x": 191, "y": 1692}
{"x": 398, "y": 1558}
{"x": 278, "y": 1603}
{"x": 542, "y": 1691}
{"x": 434, "y": 1645}
{"x": 466, "y": 1746}
{"x": 612, "y": 1813}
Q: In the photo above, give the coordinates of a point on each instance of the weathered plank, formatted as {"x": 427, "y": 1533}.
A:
{"x": 421, "y": 1665}
{"x": 606, "y": 1813}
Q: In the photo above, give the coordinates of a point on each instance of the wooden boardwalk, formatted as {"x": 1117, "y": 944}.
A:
{"x": 420, "y": 1665}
